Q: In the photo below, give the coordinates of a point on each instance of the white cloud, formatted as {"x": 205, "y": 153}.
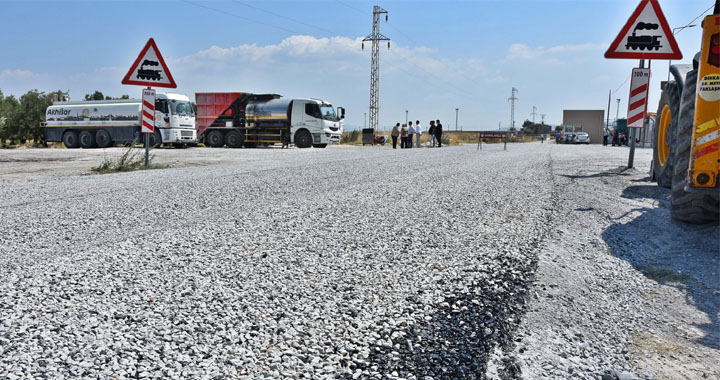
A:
{"x": 16, "y": 74}
{"x": 520, "y": 52}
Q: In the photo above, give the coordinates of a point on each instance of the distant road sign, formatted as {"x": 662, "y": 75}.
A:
{"x": 148, "y": 111}
{"x": 646, "y": 35}
{"x": 493, "y": 135}
{"x": 637, "y": 105}
{"x": 150, "y": 69}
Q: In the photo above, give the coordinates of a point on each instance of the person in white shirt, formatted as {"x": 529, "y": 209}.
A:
{"x": 418, "y": 132}
{"x": 411, "y": 132}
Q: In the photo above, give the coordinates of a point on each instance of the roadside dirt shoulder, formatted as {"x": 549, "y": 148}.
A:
{"x": 621, "y": 289}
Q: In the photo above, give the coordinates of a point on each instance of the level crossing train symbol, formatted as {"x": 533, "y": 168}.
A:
{"x": 144, "y": 73}
{"x": 643, "y": 42}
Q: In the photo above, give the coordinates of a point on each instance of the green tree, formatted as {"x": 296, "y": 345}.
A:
{"x": 9, "y": 127}
{"x": 97, "y": 95}
{"x": 32, "y": 107}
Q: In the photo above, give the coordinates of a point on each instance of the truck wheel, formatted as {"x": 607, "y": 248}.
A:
{"x": 319, "y": 145}
{"x": 233, "y": 139}
{"x": 685, "y": 206}
{"x": 103, "y": 139}
{"x": 664, "y": 134}
{"x": 70, "y": 139}
{"x": 215, "y": 139}
{"x": 303, "y": 139}
{"x": 156, "y": 139}
{"x": 86, "y": 139}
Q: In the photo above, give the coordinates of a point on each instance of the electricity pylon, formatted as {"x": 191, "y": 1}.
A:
{"x": 375, "y": 37}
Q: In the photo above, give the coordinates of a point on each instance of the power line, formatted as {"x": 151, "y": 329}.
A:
{"x": 622, "y": 84}
{"x": 241, "y": 17}
{"x": 455, "y": 90}
{"x": 330, "y": 32}
{"x": 351, "y": 7}
{"x": 701, "y": 14}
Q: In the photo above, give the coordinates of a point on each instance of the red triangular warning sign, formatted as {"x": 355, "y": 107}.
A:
{"x": 646, "y": 35}
{"x": 150, "y": 69}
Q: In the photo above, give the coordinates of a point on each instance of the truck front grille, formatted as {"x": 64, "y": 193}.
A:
{"x": 186, "y": 133}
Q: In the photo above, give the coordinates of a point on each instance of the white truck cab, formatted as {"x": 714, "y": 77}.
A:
{"x": 319, "y": 118}
{"x": 175, "y": 118}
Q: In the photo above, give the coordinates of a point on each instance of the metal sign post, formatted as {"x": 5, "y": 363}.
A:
{"x": 637, "y": 105}
{"x": 148, "y": 119}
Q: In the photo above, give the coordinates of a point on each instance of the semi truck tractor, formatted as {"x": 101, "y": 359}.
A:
{"x": 687, "y": 137}
{"x": 237, "y": 119}
{"x": 104, "y": 123}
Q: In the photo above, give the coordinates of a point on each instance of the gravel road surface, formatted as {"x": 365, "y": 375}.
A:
{"x": 350, "y": 262}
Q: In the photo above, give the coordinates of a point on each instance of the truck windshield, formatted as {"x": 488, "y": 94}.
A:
{"x": 181, "y": 107}
{"x": 328, "y": 112}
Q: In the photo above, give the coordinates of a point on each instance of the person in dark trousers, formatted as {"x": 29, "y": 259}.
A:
{"x": 411, "y": 135}
{"x": 403, "y": 136}
{"x": 431, "y": 133}
{"x": 394, "y": 134}
{"x": 615, "y": 138}
{"x": 438, "y": 133}
{"x": 606, "y": 134}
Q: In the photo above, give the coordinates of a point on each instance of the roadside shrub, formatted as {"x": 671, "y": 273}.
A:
{"x": 350, "y": 137}
{"x": 131, "y": 159}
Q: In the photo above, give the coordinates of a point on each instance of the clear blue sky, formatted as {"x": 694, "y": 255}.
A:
{"x": 444, "y": 54}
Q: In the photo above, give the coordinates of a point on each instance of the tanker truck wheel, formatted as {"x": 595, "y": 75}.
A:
{"x": 664, "y": 134}
{"x": 685, "y": 206}
{"x": 233, "y": 139}
{"x": 303, "y": 139}
{"x": 103, "y": 139}
{"x": 156, "y": 139}
{"x": 215, "y": 139}
{"x": 87, "y": 139}
{"x": 70, "y": 139}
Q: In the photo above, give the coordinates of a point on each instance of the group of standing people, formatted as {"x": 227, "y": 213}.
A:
{"x": 408, "y": 133}
{"x": 618, "y": 138}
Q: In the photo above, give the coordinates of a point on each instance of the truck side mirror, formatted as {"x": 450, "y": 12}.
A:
{"x": 342, "y": 112}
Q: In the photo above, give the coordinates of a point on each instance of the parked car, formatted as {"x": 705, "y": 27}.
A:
{"x": 581, "y": 138}
{"x": 568, "y": 138}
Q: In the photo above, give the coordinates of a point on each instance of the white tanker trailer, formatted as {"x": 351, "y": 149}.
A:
{"x": 104, "y": 123}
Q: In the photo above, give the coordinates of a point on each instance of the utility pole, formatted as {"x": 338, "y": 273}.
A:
{"x": 533, "y": 113}
{"x": 364, "y": 120}
{"x": 617, "y": 112}
{"x": 512, "y": 100}
{"x": 456, "y": 117}
{"x": 499, "y": 125}
{"x": 542, "y": 115}
{"x": 375, "y": 37}
{"x": 607, "y": 123}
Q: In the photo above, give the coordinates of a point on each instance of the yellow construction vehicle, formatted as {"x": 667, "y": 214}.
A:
{"x": 687, "y": 137}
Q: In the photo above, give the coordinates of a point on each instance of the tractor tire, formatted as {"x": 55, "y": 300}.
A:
{"x": 233, "y": 139}
{"x": 686, "y": 206}
{"x": 215, "y": 139}
{"x": 70, "y": 139}
{"x": 87, "y": 139}
{"x": 103, "y": 139}
{"x": 303, "y": 139}
{"x": 664, "y": 134}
